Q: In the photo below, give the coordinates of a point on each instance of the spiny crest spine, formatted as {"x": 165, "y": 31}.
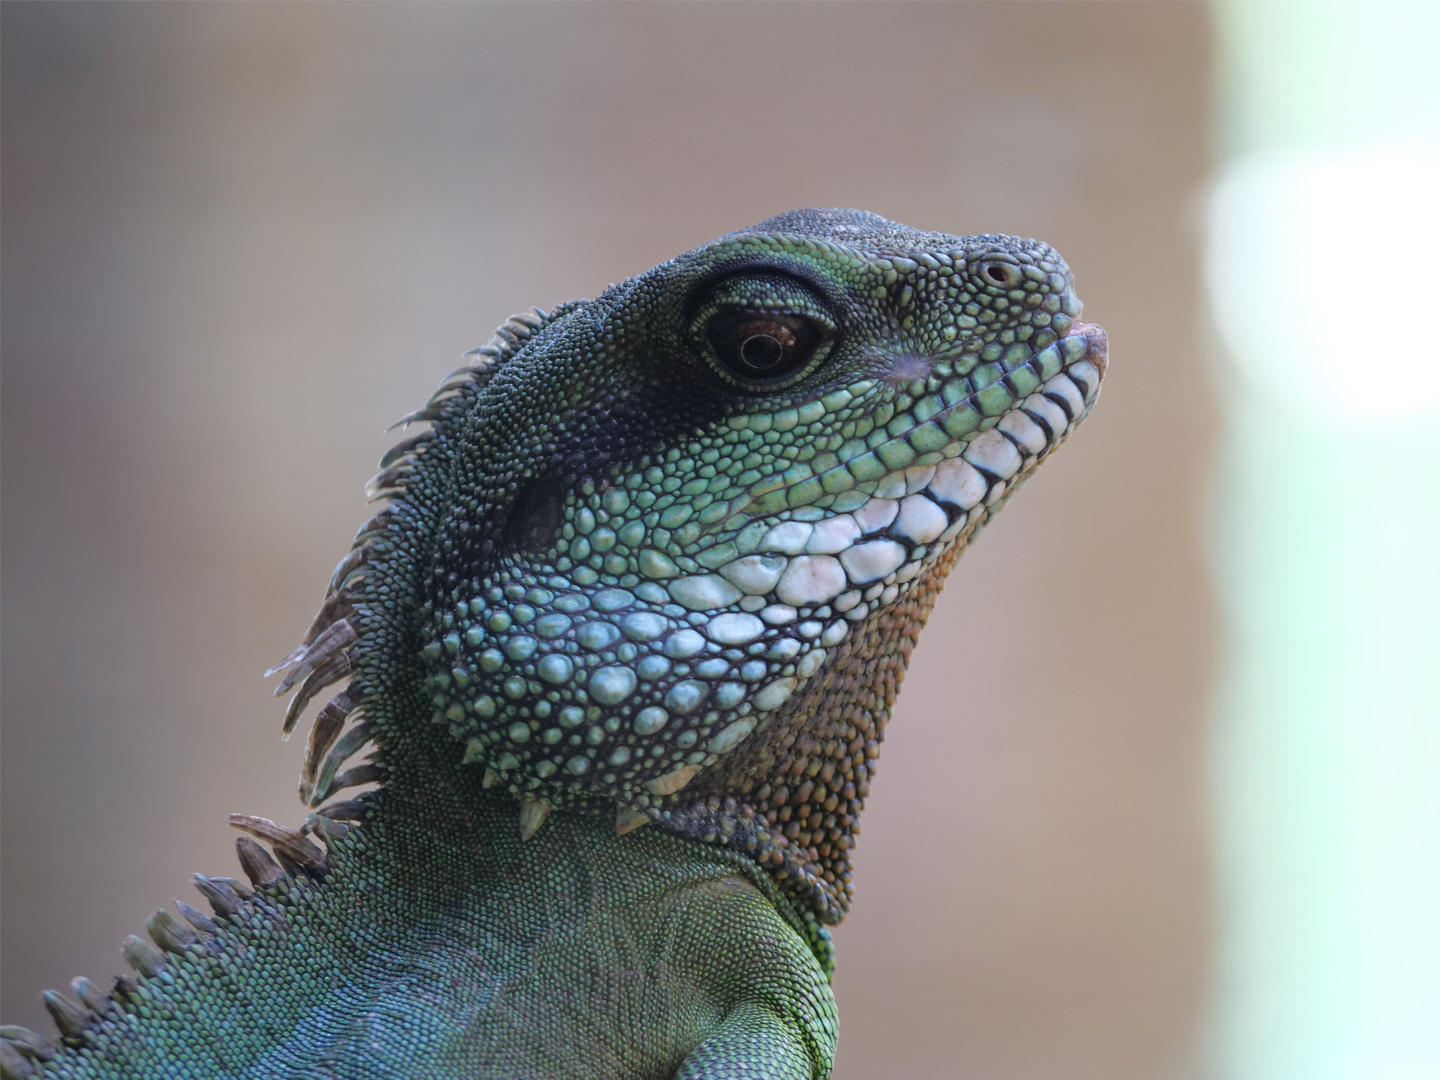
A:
{"x": 330, "y": 649}
{"x": 23, "y": 1052}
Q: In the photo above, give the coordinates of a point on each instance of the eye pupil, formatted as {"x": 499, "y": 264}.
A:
{"x": 761, "y": 352}
{"x": 997, "y": 274}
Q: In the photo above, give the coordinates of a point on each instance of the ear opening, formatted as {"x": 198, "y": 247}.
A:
{"x": 535, "y": 517}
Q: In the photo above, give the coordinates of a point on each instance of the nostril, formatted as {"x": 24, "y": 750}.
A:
{"x": 1000, "y": 273}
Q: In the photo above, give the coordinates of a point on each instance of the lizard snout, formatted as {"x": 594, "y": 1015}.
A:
{"x": 1097, "y": 343}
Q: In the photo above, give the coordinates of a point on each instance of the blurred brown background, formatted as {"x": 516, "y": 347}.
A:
{"x": 239, "y": 240}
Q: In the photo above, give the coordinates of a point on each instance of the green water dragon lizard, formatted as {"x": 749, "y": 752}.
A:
{"x": 620, "y": 648}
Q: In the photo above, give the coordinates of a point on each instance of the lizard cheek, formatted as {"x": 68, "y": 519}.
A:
{"x": 907, "y": 367}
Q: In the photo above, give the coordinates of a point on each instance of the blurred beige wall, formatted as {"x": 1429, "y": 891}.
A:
{"x": 239, "y": 240}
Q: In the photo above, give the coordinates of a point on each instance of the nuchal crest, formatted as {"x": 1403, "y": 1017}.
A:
{"x": 664, "y": 553}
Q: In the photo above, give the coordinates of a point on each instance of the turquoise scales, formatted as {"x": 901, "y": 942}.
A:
{"x": 659, "y": 558}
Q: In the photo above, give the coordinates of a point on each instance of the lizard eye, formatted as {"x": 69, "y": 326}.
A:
{"x": 763, "y": 348}
{"x": 761, "y": 331}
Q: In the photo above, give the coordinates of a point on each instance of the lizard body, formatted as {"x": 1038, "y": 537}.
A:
{"x": 659, "y": 559}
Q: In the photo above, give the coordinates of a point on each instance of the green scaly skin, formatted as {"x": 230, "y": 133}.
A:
{"x": 658, "y": 560}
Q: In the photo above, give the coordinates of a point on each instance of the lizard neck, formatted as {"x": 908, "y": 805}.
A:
{"x": 793, "y": 801}
{"x": 433, "y": 801}
{"x": 790, "y": 803}
{"x": 426, "y": 930}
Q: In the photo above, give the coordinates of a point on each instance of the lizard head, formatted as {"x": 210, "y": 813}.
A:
{"x": 667, "y": 551}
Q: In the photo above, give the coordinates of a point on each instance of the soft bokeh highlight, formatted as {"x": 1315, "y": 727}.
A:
{"x": 1326, "y": 738}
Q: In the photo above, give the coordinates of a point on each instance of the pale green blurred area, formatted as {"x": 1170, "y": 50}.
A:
{"x": 241, "y": 239}
{"x": 1324, "y": 224}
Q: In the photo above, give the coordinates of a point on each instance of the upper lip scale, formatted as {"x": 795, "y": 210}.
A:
{"x": 1096, "y": 351}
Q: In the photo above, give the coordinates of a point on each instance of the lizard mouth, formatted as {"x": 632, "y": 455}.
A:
{"x": 853, "y": 559}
